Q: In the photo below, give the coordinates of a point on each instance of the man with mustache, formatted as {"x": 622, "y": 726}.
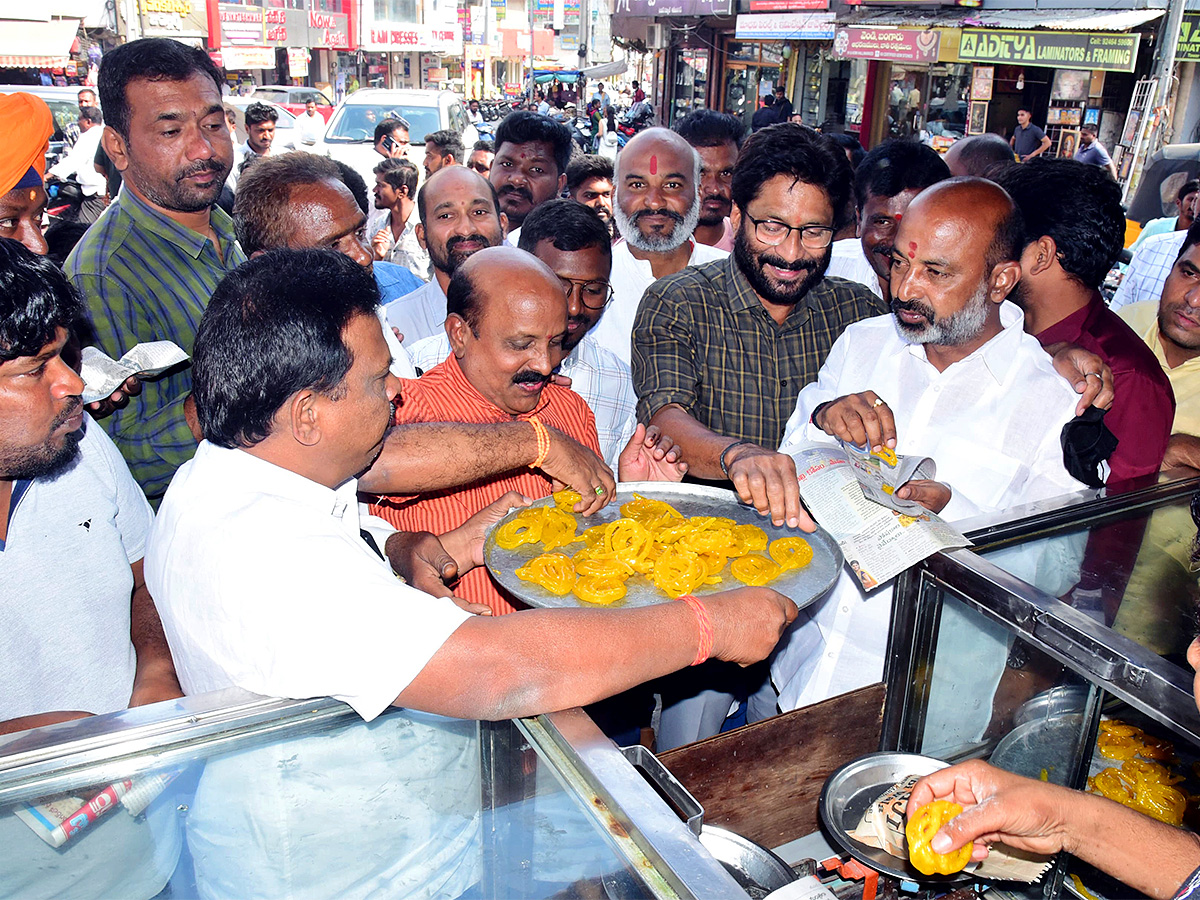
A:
{"x": 460, "y": 215}
{"x": 149, "y": 265}
{"x": 949, "y": 374}
{"x": 717, "y": 138}
{"x": 530, "y": 166}
{"x": 507, "y": 325}
{"x": 590, "y": 182}
{"x": 656, "y": 210}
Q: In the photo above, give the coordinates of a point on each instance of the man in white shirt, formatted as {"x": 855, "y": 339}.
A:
{"x": 311, "y": 124}
{"x": 573, "y": 242}
{"x": 260, "y": 139}
{"x": 473, "y": 113}
{"x": 950, "y": 374}
{"x": 459, "y": 216}
{"x": 656, "y": 210}
{"x": 80, "y": 163}
{"x": 392, "y": 230}
{"x": 1149, "y": 268}
{"x": 267, "y": 582}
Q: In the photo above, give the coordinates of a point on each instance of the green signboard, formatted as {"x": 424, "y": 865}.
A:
{"x": 1189, "y": 39}
{"x": 1110, "y": 51}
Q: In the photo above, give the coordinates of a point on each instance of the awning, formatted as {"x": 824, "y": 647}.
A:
{"x": 1053, "y": 20}
{"x": 565, "y": 76}
{"x": 605, "y": 70}
{"x": 43, "y": 45}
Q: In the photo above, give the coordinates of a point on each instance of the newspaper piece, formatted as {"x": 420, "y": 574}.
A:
{"x": 102, "y": 374}
{"x": 879, "y": 542}
{"x": 882, "y": 473}
{"x": 882, "y": 826}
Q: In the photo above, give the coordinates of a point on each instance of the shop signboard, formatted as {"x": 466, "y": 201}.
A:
{"x": 173, "y": 18}
{"x": 1110, "y": 51}
{"x": 297, "y": 62}
{"x": 672, "y": 7}
{"x": 1188, "y": 49}
{"x": 247, "y": 26}
{"x": 385, "y": 36}
{"x": 248, "y": 57}
{"x": 786, "y": 5}
{"x": 330, "y": 30}
{"x": 897, "y": 44}
{"x": 785, "y": 27}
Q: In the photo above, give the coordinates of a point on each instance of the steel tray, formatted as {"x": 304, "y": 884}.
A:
{"x": 803, "y": 586}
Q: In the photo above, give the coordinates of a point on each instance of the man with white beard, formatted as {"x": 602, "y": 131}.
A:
{"x": 656, "y": 210}
{"x": 952, "y": 375}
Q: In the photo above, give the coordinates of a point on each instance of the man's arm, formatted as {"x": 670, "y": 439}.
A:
{"x": 419, "y": 458}
{"x": 154, "y": 678}
{"x": 544, "y": 660}
{"x": 1042, "y": 148}
{"x": 1182, "y": 450}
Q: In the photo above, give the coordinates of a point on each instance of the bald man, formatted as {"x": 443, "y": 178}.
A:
{"x": 949, "y": 374}
{"x": 460, "y": 215}
{"x": 656, "y": 208}
{"x": 979, "y": 154}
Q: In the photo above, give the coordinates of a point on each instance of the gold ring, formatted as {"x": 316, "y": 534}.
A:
{"x": 878, "y": 402}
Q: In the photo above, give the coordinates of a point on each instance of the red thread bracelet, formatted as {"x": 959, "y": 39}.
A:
{"x": 704, "y": 623}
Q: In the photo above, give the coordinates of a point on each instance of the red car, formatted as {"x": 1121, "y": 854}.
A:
{"x": 294, "y": 99}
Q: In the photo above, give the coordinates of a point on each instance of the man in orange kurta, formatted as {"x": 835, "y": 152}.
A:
{"x": 507, "y": 318}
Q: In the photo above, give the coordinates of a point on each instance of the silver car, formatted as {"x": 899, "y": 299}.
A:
{"x": 350, "y": 137}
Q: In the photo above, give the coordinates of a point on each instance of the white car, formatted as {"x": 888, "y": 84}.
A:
{"x": 350, "y": 137}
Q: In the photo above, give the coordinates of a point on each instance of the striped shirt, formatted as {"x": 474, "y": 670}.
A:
{"x": 443, "y": 394}
{"x": 704, "y": 340}
{"x": 145, "y": 277}
{"x": 1148, "y": 270}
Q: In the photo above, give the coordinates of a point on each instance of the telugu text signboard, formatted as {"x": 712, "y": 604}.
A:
{"x": 785, "y": 27}
{"x": 896, "y": 44}
{"x": 1112, "y": 52}
{"x": 672, "y": 7}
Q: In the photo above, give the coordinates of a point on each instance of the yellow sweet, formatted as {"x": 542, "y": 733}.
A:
{"x": 566, "y": 499}
{"x": 791, "y": 552}
{"x": 754, "y": 570}
{"x": 599, "y": 589}
{"x": 678, "y": 572}
{"x": 553, "y": 571}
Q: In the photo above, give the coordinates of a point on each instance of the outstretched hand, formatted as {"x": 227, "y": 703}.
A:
{"x": 650, "y": 455}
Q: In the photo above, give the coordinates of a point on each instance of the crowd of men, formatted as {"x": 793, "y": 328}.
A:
{"x": 374, "y": 381}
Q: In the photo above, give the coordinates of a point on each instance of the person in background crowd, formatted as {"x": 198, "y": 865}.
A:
{"x": 311, "y": 124}
{"x": 532, "y": 152}
{"x": 392, "y": 230}
{"x": 481, "y": 157}
{"x": 638, "y": 94}
{"x": 1170, "y": 329}
{"x": 849, "y": 143}
{"x": 80, "y": 164}
{"x": 1069, "y": 248}
{"x": 473, "y": 113}
{"x": 1181, "y": 221}
{"x": 391, "y": 137}
{"x": 460, "y": 215}
{"x": 260, "y": 138}
{"x": 1092, "y": 152}
{"x": 590, "y": 182}
{"x": 73, "y": 530}
{"x": 28, "y": 124}
{"x": 656, "y": 211}
{"x": 1150, "y": 266}
{"x": 299, "y": 201}
{"x": 443, "y": 148}
{"x": 601, "y": 97}
{"x": 71, "y": 131}
{"x": 716, "y": 138}
{"x": 1028, "y": 141}
{"x": 506, "y": 337}
{"x": 721, "y": 350}
{"x": 886, "y": 181}
{"x": 572, "y": 241}
{"x": 765, "y": 115}
{"x": 950, "y": 374}
{"x": 149, "y": 265}
{"x": 783, "y": 106}
{"x": 979, "y": 154}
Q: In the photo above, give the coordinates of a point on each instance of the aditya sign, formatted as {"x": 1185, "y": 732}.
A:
{"x": 1110, "y": 51}
{"x": 897, "y": 44}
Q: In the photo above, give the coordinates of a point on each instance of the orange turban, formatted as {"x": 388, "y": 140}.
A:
{"x": 26, "y": 123}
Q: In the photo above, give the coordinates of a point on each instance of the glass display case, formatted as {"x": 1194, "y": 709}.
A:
{"x": 1016, "y": 649}
{"x": 234, "y": 795}
{"x": 691, "y": 83}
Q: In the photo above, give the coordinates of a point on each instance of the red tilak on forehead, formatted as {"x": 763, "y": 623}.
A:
{"x": 899, "y": 216}
{"x": 912, "y": 249}
{"x": 653, "y": 165}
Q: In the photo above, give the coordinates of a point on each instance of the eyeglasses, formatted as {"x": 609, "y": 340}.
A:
{"x": 772, "y": 233}
{"x": 592, "y": 294}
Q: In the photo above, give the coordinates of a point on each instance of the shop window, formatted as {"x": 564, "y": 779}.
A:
{"x": 395, "y": 10}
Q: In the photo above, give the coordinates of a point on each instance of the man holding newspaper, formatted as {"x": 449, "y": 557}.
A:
{"x": 949, "y": 375}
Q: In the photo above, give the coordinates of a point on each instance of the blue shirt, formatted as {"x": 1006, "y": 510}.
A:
{"x": 394, "y": 281}
{"x": 1093, "y": 154}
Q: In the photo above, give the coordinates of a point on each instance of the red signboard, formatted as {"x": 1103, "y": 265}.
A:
{"x": 786, "y": 5}
{"x": 896, "y": 44}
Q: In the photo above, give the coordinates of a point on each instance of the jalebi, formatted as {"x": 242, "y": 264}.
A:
{"x": 754, "y": 570}
{"x": 651, "y": 513}
{"x": 678, "y": 572}
{"x": 1148, "y": 787}
{"x": 566, "y": 499}
{"x": 553, "y": 571}
{"x": 601, "y": 589}
{"x": 791, "y": 552}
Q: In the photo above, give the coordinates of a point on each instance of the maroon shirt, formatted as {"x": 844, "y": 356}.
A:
{"x": 1144, "y": 408}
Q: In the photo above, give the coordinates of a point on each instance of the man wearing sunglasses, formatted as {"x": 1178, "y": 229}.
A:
{"x": 573, "y": 241}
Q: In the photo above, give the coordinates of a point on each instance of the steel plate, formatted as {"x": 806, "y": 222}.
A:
{"x": 803, "y": 586}
{"x": 850, "y": 790}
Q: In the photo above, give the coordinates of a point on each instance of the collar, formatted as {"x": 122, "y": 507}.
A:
{"x": 190, "y": 242}
{"x": 19, "y": 489}
{"x": 1074, "y": 325}
{"x": 742, "y": 297}
{"x": 458, "y": 381}
{"x": 239, "y": 470}
{"x": 1153, "y": 339}
{"x": 414, "y": 218}
{"x": 998, "y": 354}
{"x": 623, "y": 244}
